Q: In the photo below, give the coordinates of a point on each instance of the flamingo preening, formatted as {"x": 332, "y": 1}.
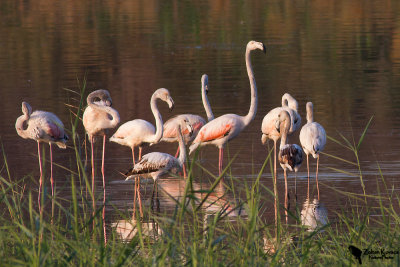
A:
{"x": 141, "y": 133}
{"x": 156, "y": 164}
{"x": 290, "y": 155}
{"x": 42, "y": 126}
{"x": 270, "y": 130}
{"x": 313, "y": 140}
{"x": 97, "y": 118}
{"x": 226, "y": 127}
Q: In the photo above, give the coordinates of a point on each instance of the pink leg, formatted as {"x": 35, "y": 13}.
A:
{"x": 286, "y": 196}
{"x": 40, "y": 179}
{"x": 133, "y": 156}
{"x": 308, "y": 183}
{"x": 134, "y": 199}
{"x": 93, "y": 184}
{"x": 104, "y": 190}
{"x": 140, "y": 153}
{"x": 184, "y": 170}
{"x": 275, "y": 190}
{"x": 221, "y": 158}
{"x": 177, "y": 152}
{"x": 316, "y": 176}
{"x": 52, "y": 182}
{"x": 139, "y": 198}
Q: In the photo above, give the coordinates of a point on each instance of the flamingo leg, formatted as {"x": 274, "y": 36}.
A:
{"x": 316, "y": 175}
{"x": 134, "y": 199}
{"x": 140, "y": 153}
{"x": 275, "y": 191}
{"x": 40, "y": 179}
{"x": 93, "y": 185}
{"x": 52, "y": 182}
{"x": 104, "y": 189}
{"x": 133, "y": 156}
{"x": 152, "y": 195}
{"x": 295, "y": 185}
{"x": 286, "y": 196}
{"x": 221, "y": 158}
{"x": 184, "y": 170}
{"x": 177, "y": 152}
{"x": 308, "y": 183}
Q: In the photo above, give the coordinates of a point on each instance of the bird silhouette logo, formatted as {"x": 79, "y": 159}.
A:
{"x": 356, "y": 253}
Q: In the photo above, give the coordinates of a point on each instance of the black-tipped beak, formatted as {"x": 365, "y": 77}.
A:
{"x": 206, "y": 89}
{"x": 264, "y": 49}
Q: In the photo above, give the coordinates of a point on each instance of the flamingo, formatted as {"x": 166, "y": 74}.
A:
{"x": 140, "y": 132}
{"x": 156, "y": 164}
{"x": 98, "y": 117}
{"x": 313, "y": 140}
{"x": 290, "y": 155}
{"x": 170, "y": 126}
{"x": 42, "y": 126}
{"x": 270, "y": 131}
{"x": 226, "y": 127}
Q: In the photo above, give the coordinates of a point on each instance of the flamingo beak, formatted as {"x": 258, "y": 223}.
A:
{"x": 171, "y": 103}
{"x": 264, "y": 49}
{"x": 206, "y": 89}
{"x": 277, "y": 125}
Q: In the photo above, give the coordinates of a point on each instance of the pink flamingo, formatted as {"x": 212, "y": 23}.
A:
{"x": 226, "y": 127}
{"x": 313, "y": 140}
{"x": 170, "y": 126}
{"x": 290, "y": 155}
{"x": 157, "y": 164}
{"x": 98, "y": 117}
{"x": 42, "y": 126}
{"x": 141, "y": 133}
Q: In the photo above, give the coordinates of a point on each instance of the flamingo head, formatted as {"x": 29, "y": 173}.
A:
{"x": 187, "y": 124}
{"x": 100, "y": 97}
{"x": 164, "y": 95}
{"x": 26, "y": 109}
{"x": 253, "y": 45}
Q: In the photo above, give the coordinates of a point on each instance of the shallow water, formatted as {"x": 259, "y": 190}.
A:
{"x": 343, "y": 56}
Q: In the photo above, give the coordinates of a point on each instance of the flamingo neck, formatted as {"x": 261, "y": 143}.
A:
{"x": 159, "y": 122}
{"x": 182, "y": 148}
{"x": 20, "y": 125}
{"x": 285, "y": 125}
{"x": 253, "y": 105}
{"x": 206, "y": 103}
{"x": 310, "y": 114}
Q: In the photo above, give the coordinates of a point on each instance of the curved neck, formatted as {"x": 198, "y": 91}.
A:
{"x": 182, "y": 148}
{"x": 157, "y": 116}
{"x": 253, "y": 105}
{"x": 19, "y": 125}
{"x": 285, "y": 125}
{"x": 206, "y": 104}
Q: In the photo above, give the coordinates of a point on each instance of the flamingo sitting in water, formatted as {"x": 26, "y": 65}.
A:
{"x": 170, "y": 126}
{"x": 141, "y": 133}
{"x": 98, "y": 117}
{"x": 290, "y": 155}
{"x": 156, "y": 164}
{"x": 42, "y": 126}
{"x": 226, "y": 127}
{"x": 313, "y": 140}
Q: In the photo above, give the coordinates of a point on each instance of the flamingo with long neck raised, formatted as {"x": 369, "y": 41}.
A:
{"x": 42, "y": 126}
{"x": 313, "y": 140}
{"x": 140, "y": 132}
{"x": 157, "y": 164}
{"x": 98, "y": 117}
{"x": 290, "y": 155}
{"x": 226, "y": 127}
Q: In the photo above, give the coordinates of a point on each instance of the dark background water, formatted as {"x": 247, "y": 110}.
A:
{"x": 342, "y": 55}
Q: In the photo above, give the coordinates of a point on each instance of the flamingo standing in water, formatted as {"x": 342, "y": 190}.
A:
{"x": 226, "y": 127}
{"x": 270, "y": 130}
{"x": 170, "y": 126}
{"x": 290, "y": 155}
{"x": 313, "y": 140}
{"x": 141, "y": 133}
{"x": 156, "y": 164}
{"x": 98, "y": 117}
{"x": 42, "y": 126}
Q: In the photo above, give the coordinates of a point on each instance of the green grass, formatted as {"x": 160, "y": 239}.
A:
{"x": 189, "y": 236}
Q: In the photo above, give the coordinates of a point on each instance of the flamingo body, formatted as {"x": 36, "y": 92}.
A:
{"x": 134, "y": 133}
{"x": 290, "y": 157}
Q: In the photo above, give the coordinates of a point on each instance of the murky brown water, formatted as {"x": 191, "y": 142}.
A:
{"x": 344, "y": 56}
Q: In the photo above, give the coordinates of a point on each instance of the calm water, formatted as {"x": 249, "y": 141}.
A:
{"x": 344, "y": 56}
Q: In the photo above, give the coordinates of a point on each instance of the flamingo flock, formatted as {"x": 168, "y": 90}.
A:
{"x": 186, "y": 129}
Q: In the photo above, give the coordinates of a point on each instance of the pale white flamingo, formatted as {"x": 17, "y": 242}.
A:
{"x": 290, "y": 155}
{"x": 314, "y": 214}
{"x": 98, "y": 117}
{"x": 270, "y": 131}
{"x": 313, "y": 140}
{"x": 142, "y": 133}
{"x": 42, "y": 126}
{"x": 170, "y": 126}
{"x": 157, "y": 164}
{"x": 226, "y": 127}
